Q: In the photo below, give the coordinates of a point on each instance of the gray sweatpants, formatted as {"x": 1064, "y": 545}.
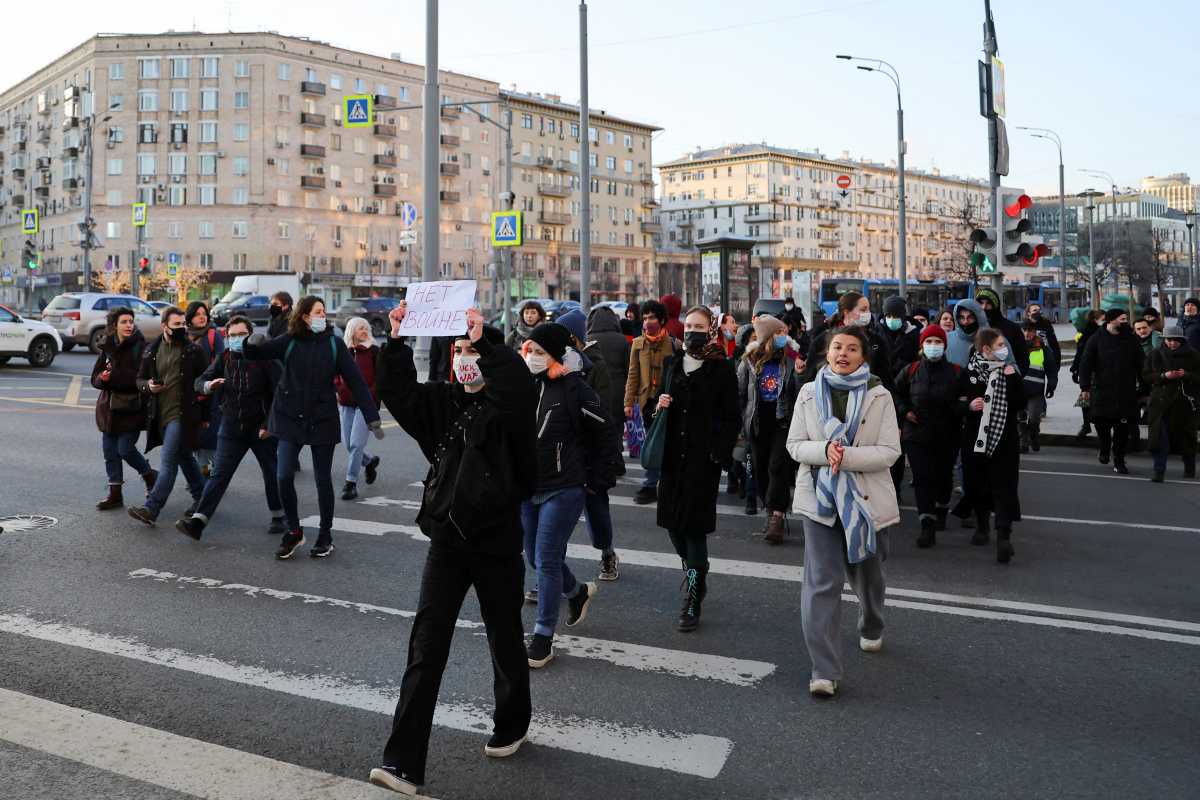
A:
{"x": 825, "y": 570}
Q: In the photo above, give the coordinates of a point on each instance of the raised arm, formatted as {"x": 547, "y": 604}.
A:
{"x": 258, "y": 347}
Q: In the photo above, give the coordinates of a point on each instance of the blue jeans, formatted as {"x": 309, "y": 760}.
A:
{"x": 288, "y": 461}
{"x": 230, "y": 452}
{"x": 175, "y": 458}
{"x": 651, "y": 479}
{"x": 548, "y": 527}
{"x": 120, "y": 447}
{"x": 599, "y": 521}
{"x": 354, "y": 435}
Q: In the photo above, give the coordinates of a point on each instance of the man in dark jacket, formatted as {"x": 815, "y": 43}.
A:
{"x": 479, "y": 429}
{"x": 900, "y": 334}
{"x": 1045, "y": 329}
{"x": 1041, "y": 381}
{"x": 1108, "y": 380}
{"x": 604, "y": 334}
{"x": 249, "y": 390}
{"x": 281, "y": 309}
{"x": 989, "y": 301}
{"x": 1174, "y": 371}
{"x": 1190, "y": 322}
{"x": 1095, "y": 319}
{"x": 168, "y": 372}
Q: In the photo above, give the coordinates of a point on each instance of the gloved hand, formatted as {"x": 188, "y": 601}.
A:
{"x": 257, "y": 339}
{"x": 1049, "y": 395}
{"x": 376, "y": 428}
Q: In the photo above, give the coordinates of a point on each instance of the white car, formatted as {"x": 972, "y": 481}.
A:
{"x": 34, "y": 341}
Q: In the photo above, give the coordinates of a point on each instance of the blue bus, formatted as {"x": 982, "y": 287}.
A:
{"x": 940, "y": 294}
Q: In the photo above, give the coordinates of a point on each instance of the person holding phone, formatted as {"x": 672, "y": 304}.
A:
{"x": 120, "y": 412}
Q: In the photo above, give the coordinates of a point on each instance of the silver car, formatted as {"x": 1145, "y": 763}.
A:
{"x": 79, "y": 317}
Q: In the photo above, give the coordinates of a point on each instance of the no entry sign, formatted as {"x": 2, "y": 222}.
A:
{"x": 843, "y": 181}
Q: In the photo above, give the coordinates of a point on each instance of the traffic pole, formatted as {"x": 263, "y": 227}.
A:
{"x": 585, "y": 169}
{"x": 430, "y": 227}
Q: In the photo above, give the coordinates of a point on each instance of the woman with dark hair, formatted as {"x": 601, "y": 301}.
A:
{"x": 729, "y": 329}
{"x": 631, "y": 325}
{"x": 532, "y": 314}
{"x": 211, "y": 342}
{"x": 305, "y": 412}
{"x": 853, "y": 309}
{"x": 120, "y": 413}
{"x": 702, "y": 427}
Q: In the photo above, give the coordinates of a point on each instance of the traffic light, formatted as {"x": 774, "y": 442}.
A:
{"x": 1013, "y": 203}
{"x": 30, "y": 257}
{"x": 984, "y": 240}
{"x": 143, "y": 266}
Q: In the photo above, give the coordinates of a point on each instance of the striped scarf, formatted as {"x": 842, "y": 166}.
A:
{"x": 838, "y": 494}
{"x": 995, "y": 402}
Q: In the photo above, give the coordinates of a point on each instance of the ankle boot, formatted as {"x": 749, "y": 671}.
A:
{"x": 114, "y": 499}
{"x": 693, "y": 596}
{"x": 774, "y": 534}
{"x": 983, "y": 528}
{"x": 940, "y": 520}
{"x": 150, "y": 478}
{"x": 1004, "y": 548}
{"x": 928, "y": 537}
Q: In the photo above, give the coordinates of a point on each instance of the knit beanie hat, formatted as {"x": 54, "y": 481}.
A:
{"x": 933, "y": 332}
{"x": 1112, "y": 314}
{"x": 989, "y": 295}
{"x": 767, "y": 326}
{"x": 895, "y": 306}
{"x": 1174, "y": 332}
{"x": 553, "y": 338}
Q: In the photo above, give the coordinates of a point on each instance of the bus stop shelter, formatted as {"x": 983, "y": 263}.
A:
{"x": 728, "y": 278}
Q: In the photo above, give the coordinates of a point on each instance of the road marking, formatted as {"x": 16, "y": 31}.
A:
{"x": 1193, "y": 483}
{"x": 692, "y": 754}
{"x": 794, "y": 574}
{"x": 165, "y": 759}
{"x": 45, "y": 403}
{"x": 71, "y": 398}
{"x": 1145, "y": 526}
{"x": 735, "y": 671}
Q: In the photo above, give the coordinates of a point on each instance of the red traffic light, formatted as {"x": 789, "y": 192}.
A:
{"x": 1039, "y": 252}
{"x": 1015, "y": 208}
{"x": 143, "y": 262}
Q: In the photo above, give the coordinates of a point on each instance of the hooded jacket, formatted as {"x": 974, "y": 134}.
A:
{"x": 1008, "y": 329}
{"x": 604, "y": 334}
{"x": 572, "y": 434}
{"x": 1191, "y": 329}
{"x": 904, "y": 344}
{"x": 1112, "y": 372}
{"x": 959, "y": 344}
{"x": 674, "y": 306}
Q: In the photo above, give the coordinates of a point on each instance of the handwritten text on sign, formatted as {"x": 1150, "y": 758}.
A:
{"x": 438, "y": 308}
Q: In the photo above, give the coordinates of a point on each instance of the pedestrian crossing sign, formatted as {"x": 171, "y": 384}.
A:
{"x": 357, "y": 111}
{"x": 29, "y": 221}
{"x": 506, "y": 229}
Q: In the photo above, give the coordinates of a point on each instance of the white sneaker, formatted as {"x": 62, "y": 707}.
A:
{"x": 388, "y": 779}
{"x": 502, "y": 750}
{"x": 819, "y": 687}
{"x": 870, "y": 645}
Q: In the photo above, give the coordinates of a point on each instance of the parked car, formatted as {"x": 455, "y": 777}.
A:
{"x": 255, "y": 307}
{"x": 159, "y": 305}
{"x": 618, "y": 307}
{"x": 556, "y": 308}
{"x": 374, "y": 310}
{"x": 21, "y": 337}
{"x": 79, "y": 317}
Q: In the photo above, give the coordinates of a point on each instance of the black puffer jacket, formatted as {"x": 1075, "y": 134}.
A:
{"x": 1112, "y": 372}
{"x": 246, "y": 395}
{"x": 604, "y": 329}
{"x": 572, "y": 435}
{"x": 929, "y": 389}
{"x": 903, "y": 345}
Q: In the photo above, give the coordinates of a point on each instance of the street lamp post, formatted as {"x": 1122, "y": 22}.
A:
{"x": 887, "y": 69}
{"x": 1099, "y": 173}
{"x": 585, "y": 168}
{"x": 1049, "y": 135}
{"x": 431, "y": 225}
{"x": 1191, "y": 223}
{"x": 1090, "y": 196}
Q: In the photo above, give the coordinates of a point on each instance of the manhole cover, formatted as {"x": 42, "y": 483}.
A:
{"x": 19, "y": 523}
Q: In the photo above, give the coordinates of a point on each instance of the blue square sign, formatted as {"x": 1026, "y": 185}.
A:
{"x": 506, "y": 229}
{"x": 357, "y": 111}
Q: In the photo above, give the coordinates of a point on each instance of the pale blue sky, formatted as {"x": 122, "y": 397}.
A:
{"x": 1113, "y": 78}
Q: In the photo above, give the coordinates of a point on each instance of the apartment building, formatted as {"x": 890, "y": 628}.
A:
{"x": 236, "y": 143}
{"x": 1177, "y": 189}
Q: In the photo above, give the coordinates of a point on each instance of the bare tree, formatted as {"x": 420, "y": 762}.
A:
{"x": 957, "y": 264}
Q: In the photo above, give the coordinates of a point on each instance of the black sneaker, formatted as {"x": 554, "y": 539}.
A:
{"x": 608, "y": 567}
{"x": 350, "y": 491}
{"x": 371, "y": 470}
{"x": 1120, "y": 468}
{"x": 540, "y": 651}
{"x": 277, "y": 527}
{"x": 646, "y": 495}
{"x": 143, "y": 514}
{"x": 498, "y": 747}
{"x": 531, "y": 597}
{"x": 389, "y": 778}
{"x": 192, "y": 508}
{"x": 323, "y": 547}
{"x": 290, "y": 544}
{"x": 190, "y": 526}
{"x": 577, "y": 606}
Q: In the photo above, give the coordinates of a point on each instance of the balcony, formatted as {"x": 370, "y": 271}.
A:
{"x": 543, "y": 161}
{"x": 312, "y": 150}
{"x": 450, "y": 140}
{"x": 449, "y": 197}
{"x": 312, "y": 182}
{"x": 646, "y": 177}
{"x": 832, "y": 244}
{"x": 448, "y": 168}
{"x": 827, "y": 223}
{"x": 551, "y": 190}
{"x": 70, "y": 184}
{"x": 18, "y": 199}
{"x": 649, "y": 202}
{"x": 385, "y": 190}
{"x": 684, "y": 223}
{"x": 553, "y": 218}
{"x": 450, "y": 112}
{"x": 43, "y": 136}
{"x": 41, "y": 191}
{"x": 70, "y": 151}
{"x": 764, "y": 216}
{"x": 651, "y": 227}
{"x": 768, "y": 238}
{"x": 312, "y": 87}
{"x": 383, "y": 102}
{"x": 18, "y": 172}
{"x": 311, "y": 119}
{"x": 563, "y": 165}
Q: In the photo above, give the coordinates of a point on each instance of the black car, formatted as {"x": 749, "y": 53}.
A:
{"x": 255, "y": 307}
{"x": 374, "y": 310}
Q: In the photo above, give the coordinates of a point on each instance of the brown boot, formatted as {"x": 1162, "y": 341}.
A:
{"x": 150, "y": 479}
{"x": 774, "y": 534}
{"x": 114, "y": 499}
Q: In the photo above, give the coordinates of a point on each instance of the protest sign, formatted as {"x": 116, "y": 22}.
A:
{"x": 438, "y": 308}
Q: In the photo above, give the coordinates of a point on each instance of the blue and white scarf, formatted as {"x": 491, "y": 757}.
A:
{"x": 838, "y": 494}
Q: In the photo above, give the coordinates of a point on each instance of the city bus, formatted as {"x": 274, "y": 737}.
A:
{"x": 921, "y": 294}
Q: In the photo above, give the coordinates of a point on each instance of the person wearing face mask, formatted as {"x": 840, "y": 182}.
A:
{"x": 1045, "y": 330}
{"x": 304, "y": 413}
{"x": 854, "y": 310}
{"x": 361, "y": 345}
{"x": 902, "y": 336}
{"x": 969, "y": 320}
{"x": 991, "y": 392}
{"x": 247, "y": 391}
{"x": 532, "y": 314}
{"x": 702, "y": 426}
{"x": 729, "y": 329}
{"x": 1041, "y": 381}
{"x": 477, "y": 435}
{"x": 281, "y": 309}
{"x": 205, "y": 335}
{"x": 763, "y": 375}
{"x": 930, "y": 428}
{"x": 1109, "y": 382}
{"x": 989, "y": 301}
{"x": 1173, "y": 371}
{"x": 643, "y": 384}
{"x": 572, "y": 447}
{"x": 168, "y": 373}
{"x": 844, "y": 435}
{"x": 1095, "y": 320}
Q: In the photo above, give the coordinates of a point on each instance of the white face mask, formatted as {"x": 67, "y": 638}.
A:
{"x": 934, "y": 350}
{"x": 537, "y": 363}
{"x": 316, "y": 324}
{"x": 1000, "y": 354}
{"x": 864, "y": 318}
{"x": 466, "y": 370}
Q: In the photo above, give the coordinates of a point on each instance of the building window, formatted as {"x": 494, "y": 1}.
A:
{"x": 148, "y": 68}
{"x": 208, "y": 164}
{"x": 610, "y": 162}
{"x": 610, "y": 137}
{"x": 114, "y": 230}
{"x": 241, "y": 132}
{"x": 241, "y": 165}
{"x": 241, "y": 195}
{"x": 147, "y": 100}
{"x": 112, "y": 197}
{"x": 208, "y": 100}
{"x": 593, "y": 135}
{"x": 285, "y": 262}
{"x": 240, "y": 229}
{"x": 115, "y": 166}
{"x": 146, "y": 164}
{"x": 283, "y": 197}
{"x": 174, "y": 230}
{"x": 147, "y": 132}
{"x": 284, "y": 230}
{"x": 335, "y": 81}
{"x": 209, "y": 67}
{"x": 208, "y": 195}
{"x": 206, "y": 260}
{"x": 116, "y": 71}
{"x": 629, "y": 166}
{"x": 628, "y": 141}
{"x": 177, "y": 195}
{"x": 402, "y": 94}
{"x": 527, "y": 121}
{"x": 241, "y": 68}
{"x": 116, "y": 102}
{"x": 179, "y": 132}
{"x": 283, "y": 165}
{"x": 360, "y": 85}
{"x": 208, "y": 132}
{"x": 177, "y": 164}
{"x": 284, "y": 71}
{"x": 179, "y": 67}
{"x": 241, "y": 99}
{"x": 206, "y": 230}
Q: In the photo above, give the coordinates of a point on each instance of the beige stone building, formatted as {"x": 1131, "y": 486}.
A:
{"x": 1177, "y": 189}
{"x": 237, "y": 144}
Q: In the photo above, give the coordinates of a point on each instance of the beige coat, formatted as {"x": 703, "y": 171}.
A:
{"x": 876, "y": 447}
{"x": 645, "y": 379}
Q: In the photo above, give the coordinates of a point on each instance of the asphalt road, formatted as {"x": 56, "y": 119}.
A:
{"x": 1070, "y": 673}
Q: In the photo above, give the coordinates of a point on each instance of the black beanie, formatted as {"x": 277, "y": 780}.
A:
{"x": 553, "y": 338}
{"x": 895, "y": 306}
{"x": 1112, "y": 314}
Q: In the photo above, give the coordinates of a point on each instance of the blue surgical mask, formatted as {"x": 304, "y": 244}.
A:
{"x": 316, "y": 324}
{"x": 781, "y": 341}
{"x": 1000, "y": 354}
{"x": 934, "y": 350}
{"x": 894, "y": 323}
{"x": 234, "y": 343}
{"x": 728, "y": 335}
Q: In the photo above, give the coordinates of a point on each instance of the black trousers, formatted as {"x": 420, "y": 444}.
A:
{"x": 691, "y": 547}
{"x": 933, "y": 473}
{"x": 1113, "y": 435}
{"x": 897, "y": 469}
{"x": 499, "y": 585}
{"x": 991, "y": 484}
{"x": 774, "y": 469}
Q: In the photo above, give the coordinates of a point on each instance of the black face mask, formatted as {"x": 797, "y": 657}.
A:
{"x": 179, "y": 335}
{"x": 276, "y": 311}
{"x": 969, "y": 330}
{"x": 695, "y": 341}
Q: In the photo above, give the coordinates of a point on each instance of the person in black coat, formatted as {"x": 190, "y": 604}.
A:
{"x": 120, "y": 410}
{"x": 477, "y": 434}
{"x": 247, "y": 392}
{"x": 926, "y": 398}
{"x": 1173, "y": 370}
{"x": 1109, "y": 381}
{"x": 853, "y": 309}
{"x": 604, "y": 334}
{"x": 989, "y": 301}
{"x": 304, "y": 411}
{"x": 1190, "y": 321}
{"x": 206, "y": 336}
{"x": 703, "y": 421}
{"x": 902, "y": 337}
{"x": 1093, "y": 324}
{"x": 281, "y": 311}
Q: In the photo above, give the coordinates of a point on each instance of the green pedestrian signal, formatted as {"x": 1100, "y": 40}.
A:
{"x": 982, "y": 264}
{"x": 30, "y": 257}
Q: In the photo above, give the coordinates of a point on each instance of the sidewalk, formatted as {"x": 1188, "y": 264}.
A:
{"x": 1063, "y": 417}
